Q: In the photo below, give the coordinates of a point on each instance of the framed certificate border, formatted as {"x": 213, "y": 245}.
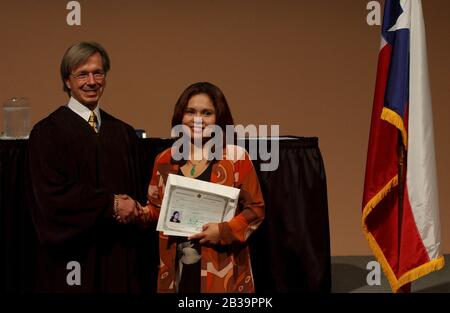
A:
{"x": 225, "y": 198}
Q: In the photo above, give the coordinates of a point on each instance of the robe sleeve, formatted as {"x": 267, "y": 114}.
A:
{"x": 63, "y": 209}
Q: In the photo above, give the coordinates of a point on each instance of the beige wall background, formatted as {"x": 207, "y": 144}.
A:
{"x": 308, "y": 66}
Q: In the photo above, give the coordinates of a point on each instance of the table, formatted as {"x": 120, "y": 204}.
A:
{"x": 290, "y": 251}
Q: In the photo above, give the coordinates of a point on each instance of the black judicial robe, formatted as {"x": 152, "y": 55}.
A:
{"x": 74, "y": 173}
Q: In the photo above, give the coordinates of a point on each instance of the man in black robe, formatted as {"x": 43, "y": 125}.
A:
{"x": 84, "y": 177}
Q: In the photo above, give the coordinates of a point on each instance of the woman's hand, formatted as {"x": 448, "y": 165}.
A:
{"x": 209, "y": 235}
{"x": 144, "y": 217}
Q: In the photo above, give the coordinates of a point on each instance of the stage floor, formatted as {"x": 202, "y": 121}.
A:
{"x": 349, "y": 276}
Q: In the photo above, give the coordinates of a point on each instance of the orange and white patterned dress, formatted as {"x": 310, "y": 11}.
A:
{"x": 224, "y": 267}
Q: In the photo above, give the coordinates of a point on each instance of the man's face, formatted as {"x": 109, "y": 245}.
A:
{"x": 87, "y": 81}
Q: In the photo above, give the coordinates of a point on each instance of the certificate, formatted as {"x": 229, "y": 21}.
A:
{"x": 189, "y": 204}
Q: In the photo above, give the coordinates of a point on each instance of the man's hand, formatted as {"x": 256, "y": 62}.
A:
{"x": 210, "y": 234}
{"x": 127, "y": 209}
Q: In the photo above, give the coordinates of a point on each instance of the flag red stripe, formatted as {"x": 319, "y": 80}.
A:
{"x": 381, "y": 165}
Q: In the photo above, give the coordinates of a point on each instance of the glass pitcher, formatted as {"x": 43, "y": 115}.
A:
{"x": 16, "y": 118}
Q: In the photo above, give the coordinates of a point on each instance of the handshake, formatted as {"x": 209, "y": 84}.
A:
{"x": 126, "y": 209}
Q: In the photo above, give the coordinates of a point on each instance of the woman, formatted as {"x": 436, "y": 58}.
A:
{"x": 175, "y": 217}
{"x": 216, "y": 259}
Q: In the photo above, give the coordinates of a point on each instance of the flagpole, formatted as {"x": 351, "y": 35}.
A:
{"x": 401, "y": 152}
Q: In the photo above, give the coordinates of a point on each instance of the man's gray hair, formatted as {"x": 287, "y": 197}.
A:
{"x": 77, "y": 55}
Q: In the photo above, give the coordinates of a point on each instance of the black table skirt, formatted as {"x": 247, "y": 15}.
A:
{"x": 290, "y": 251}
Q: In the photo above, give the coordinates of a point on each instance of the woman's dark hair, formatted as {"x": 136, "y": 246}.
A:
{"x": 223, "y": 113}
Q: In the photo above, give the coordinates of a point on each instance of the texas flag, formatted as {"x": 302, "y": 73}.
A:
{"x": 400, "y": 215}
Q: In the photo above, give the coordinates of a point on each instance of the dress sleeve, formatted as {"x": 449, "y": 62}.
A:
{"x": 63, "y": 209}
{"x": 250, "y": 207}
{"x": 154, "y": 194}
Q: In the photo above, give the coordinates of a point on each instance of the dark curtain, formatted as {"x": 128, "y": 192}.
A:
{"x": 18, "y": 239}
{"x": 290, "y": 251}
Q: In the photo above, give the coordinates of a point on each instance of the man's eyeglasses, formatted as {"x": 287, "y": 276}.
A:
{"x": 84, "y": 76}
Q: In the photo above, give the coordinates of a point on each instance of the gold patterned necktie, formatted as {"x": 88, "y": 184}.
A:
{"x": 93, "y": 121}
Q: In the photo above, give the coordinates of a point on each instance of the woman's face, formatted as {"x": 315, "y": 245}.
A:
{"x": 198, "y": 114}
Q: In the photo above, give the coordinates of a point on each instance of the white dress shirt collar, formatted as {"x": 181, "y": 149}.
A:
{"x": 84, "y": 111}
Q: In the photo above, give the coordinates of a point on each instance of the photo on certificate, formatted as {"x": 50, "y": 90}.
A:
{"x": 190, "y": 203}
{"x": 175, "y": 216}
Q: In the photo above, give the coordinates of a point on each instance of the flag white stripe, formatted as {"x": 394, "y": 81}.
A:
{"x": 421, "y": 175}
